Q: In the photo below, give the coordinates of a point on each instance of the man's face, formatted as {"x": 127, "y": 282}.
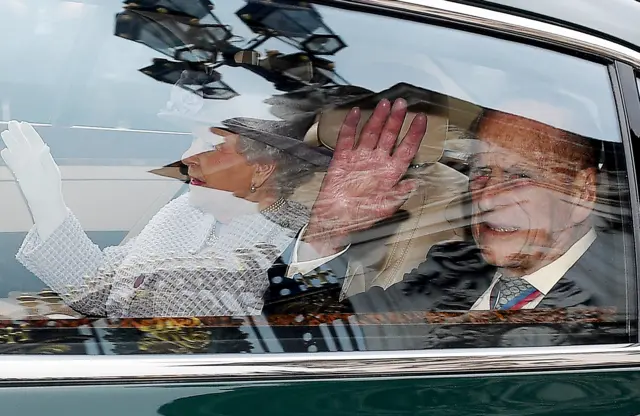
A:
{"x": 522, "y": 185}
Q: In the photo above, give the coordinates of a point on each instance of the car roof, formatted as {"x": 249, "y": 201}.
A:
{"x": 616, "y": 20}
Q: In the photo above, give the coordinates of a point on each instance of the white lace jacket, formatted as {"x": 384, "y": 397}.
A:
{"x": 179, "y": 265}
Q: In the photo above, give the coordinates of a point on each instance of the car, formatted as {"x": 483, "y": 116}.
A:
{"x": 119, "y": 90}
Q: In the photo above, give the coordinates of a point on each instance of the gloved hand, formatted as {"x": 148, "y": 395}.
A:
{"x": 38, "y": 176}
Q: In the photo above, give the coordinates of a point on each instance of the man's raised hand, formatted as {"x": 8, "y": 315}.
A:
{"x": 364, "y": 183}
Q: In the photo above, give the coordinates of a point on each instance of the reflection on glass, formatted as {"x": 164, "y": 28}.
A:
{"x": 205, "y": 253}
{"x": 299, "y": 21}
{"x": 172, "y": 31}
{"x": 478, "y": 201}
{"x": 199, "y": 80}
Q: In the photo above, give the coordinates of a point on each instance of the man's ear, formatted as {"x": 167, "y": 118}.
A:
{"x": 262, "y": 172}
{"x": 585, "y": 186}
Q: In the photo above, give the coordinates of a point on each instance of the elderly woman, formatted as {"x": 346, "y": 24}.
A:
{"x": 205, "y": 253}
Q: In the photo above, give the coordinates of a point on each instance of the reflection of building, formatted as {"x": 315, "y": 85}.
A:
{"x": 107, "y": 195}
{"x": 104, "y": 198}
{"x": 105, "y": 182}
{"x": 316, "y": 333}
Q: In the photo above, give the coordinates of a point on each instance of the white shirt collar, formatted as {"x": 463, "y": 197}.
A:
{"x": 306, "y": 251}
{"x": 546, "y": 278}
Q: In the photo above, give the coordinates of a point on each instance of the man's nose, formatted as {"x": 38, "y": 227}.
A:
{"x": 494, "y": 196}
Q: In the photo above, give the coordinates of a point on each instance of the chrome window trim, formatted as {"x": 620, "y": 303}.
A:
{"x": 505, "y": 23}
{"x": 624, "y": 94}
{"x": 31, "y": 369}
{"x": 16, "y": 370}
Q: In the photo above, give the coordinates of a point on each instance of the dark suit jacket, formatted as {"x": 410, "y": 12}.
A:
{"x": 454, "y": 275}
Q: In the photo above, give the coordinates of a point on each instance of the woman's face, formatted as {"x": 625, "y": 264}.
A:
{"x": 214, "y": 162}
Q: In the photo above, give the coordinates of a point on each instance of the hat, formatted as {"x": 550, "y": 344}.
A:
{"x": 433, "y": 104}
{"x": 312, "y": 118}
{"x": 176, "y": 170}
{"x": 283, "y": 135}
{"x": 297, "y": 111}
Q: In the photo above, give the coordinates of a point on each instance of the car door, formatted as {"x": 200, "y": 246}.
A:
{"x": 120, "y": 90}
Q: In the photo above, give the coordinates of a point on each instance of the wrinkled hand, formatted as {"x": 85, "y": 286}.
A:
{"x": 363, "y": 183}
{"x": 38, "y": 175}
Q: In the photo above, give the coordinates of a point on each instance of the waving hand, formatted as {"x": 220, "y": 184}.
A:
{"x": 38, "y": 175}
{"x": 364, "y": 183}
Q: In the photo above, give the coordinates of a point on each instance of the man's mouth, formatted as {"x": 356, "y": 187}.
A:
{"x": 500, "y": 228}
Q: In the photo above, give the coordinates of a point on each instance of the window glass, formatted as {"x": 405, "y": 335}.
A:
{"x": 197, "y": 180}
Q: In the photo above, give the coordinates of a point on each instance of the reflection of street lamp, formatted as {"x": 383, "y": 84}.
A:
{"x": 288, "y": 72}
{"x": 295, "y": 65}
{"x": 176, "y": 35}
{"x": 188, "y": 32}
{"x": 191, "y": 8}
{"x": 295, "y": 20}
{"x": 323, "y": 44}
{"x": 300, "y": 66}
{"x": 198, "y": 78}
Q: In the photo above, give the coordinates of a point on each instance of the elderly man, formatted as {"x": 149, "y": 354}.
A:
{"x": 532, "y": 188}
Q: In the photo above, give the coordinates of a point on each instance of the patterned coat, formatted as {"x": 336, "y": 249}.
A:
{"x": 183, "y": 263}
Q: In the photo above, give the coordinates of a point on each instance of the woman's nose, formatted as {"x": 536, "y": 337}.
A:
{"x": 197, "y": 147}
{"x": 190, "y": 160}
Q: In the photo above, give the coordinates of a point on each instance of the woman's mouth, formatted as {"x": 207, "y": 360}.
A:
{"x": 196, "y": 182}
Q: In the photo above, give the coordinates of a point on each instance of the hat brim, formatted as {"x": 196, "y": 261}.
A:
{"x": 173, "y": 170}
{"x": 246, "y": 127}
{"x": 431, "y": 147}
{"x": 441, "y": 111}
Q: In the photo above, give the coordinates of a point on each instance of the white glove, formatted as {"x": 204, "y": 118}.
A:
{"x": 38, "y": 175}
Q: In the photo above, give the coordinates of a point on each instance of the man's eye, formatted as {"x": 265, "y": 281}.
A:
{"x": 519, "y": 175}
{"x": 480, "y": 173}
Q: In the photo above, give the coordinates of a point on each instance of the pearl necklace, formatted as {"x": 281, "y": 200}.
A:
{"x": 274, "y": 207}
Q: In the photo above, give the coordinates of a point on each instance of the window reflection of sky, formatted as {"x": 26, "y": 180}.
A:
{"x": 69, "y": 69}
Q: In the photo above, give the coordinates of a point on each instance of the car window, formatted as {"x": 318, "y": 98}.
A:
{"x": 195, "y": 179}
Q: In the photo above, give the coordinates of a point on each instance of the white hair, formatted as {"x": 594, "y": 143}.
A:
{"x": 290, "y": 171}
